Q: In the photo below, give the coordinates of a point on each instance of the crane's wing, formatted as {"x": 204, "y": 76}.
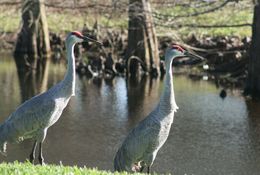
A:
{"x": 141, "y": 141}
{"x": 31, "y": 116}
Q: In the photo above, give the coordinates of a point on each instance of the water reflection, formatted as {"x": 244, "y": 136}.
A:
{"x": 32, "y": 82}
{"x": 253, "y": 133}
{"x": 209, "y": 135}
{"x": 143, "y": 94}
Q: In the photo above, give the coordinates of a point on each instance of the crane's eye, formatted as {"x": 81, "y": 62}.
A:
{"x": 177, "y": 47}
{"x": 77, "y": 33}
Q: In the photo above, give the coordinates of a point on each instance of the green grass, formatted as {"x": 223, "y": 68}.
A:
{"x": 28, "y": 169}
{"x": 69, "y": 21}
{"x": 230, "y": 14}
{"x": 66, "y": 20}
{"x": 9, "y": 20}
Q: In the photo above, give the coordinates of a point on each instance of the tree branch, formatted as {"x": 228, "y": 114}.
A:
{"x": 163, "y": 16}
{"x": 215, "y": 26}
{"x": 10, "y": 3}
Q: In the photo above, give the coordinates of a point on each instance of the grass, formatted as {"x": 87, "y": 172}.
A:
{"x": 9, "y": 19}
{"x": 17, "y": 168}
{"x": 233, "y": 13}
{"x": 67, "y": 20}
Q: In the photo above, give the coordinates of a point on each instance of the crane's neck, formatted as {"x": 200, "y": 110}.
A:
{"x": 70, "y": 77}
{"x": 167, "y": 105}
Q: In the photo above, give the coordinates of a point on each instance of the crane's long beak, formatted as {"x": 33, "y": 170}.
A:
{"x": 193, "y": 55}
{"x": 91, "y": 40}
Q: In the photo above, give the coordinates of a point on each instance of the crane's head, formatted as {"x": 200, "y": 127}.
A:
{"x": 78, "y": 37}
{"x": 176, "y": 51}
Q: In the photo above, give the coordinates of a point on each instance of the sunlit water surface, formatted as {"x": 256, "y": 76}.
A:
{"x": 209, "y": 135}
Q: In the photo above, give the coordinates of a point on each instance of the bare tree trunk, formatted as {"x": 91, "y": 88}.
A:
{"x": 33, "y": 45}
{"x": 142, "y": 41}
{"x": 153, "y": 53}
{"x": 253, "y": 81}
{"x": 32, "y": 49}
{"x": 44, "y": 38}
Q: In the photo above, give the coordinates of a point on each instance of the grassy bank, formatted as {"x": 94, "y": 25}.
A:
{"x": 73, "y": 19}
{"x": 233, "y": 13}
{"x": 67, "y": 20}
{"x": 27, "y": 168}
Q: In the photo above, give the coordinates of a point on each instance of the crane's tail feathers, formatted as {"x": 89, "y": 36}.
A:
{"x": 119, "y": 163}
{"x": 122, "y": 162}
{"x": 3, "y": 149}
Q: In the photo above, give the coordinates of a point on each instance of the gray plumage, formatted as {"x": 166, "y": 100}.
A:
{"x": 33, "y": 118}
{"x": 140, "y": 147}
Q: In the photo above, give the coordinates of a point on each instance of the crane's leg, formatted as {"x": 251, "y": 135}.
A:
{"x": 41, "y": 138}
{"x": 32, "y": 155}
{"x": 41, "y": 159}
{"x": 149, "y": 161}
{"x": 142, "y": 166}
{"x": 141, "y": 169}
{"x": 148, "y": 169}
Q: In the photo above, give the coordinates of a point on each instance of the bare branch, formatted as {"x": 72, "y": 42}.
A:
{"x": 6, "y": 3}
{"x": 215, "y": 26}
{"x": 163, "y": 16}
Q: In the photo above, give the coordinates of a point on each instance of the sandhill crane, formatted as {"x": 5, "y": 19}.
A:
{"x": 140, "y": 147}
{"x": 33, "y": 118}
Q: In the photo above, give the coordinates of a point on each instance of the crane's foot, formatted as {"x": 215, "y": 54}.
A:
{"x": 141, "y": 169}
{"x": 32, "y": 157}
{"x": 32, "y": 160}
{"x": 41, "y": 160}
{"x": 148, "y": 169}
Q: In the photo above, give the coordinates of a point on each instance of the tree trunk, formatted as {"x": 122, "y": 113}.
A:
{"x": 142, "y": 41}
{"x": 33, "y": 44}
{"x": 253, "y": 81}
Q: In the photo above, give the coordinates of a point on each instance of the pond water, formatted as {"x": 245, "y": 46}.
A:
{"x": 210, "y": 135}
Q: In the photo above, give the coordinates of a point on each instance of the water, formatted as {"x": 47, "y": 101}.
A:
{"x": 209, "y": 135}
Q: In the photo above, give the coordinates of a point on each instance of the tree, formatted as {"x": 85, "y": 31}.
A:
{"x": 33, "y": 45}
{"x": 142, "y": 40}
{"x": 253, "y": 80}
